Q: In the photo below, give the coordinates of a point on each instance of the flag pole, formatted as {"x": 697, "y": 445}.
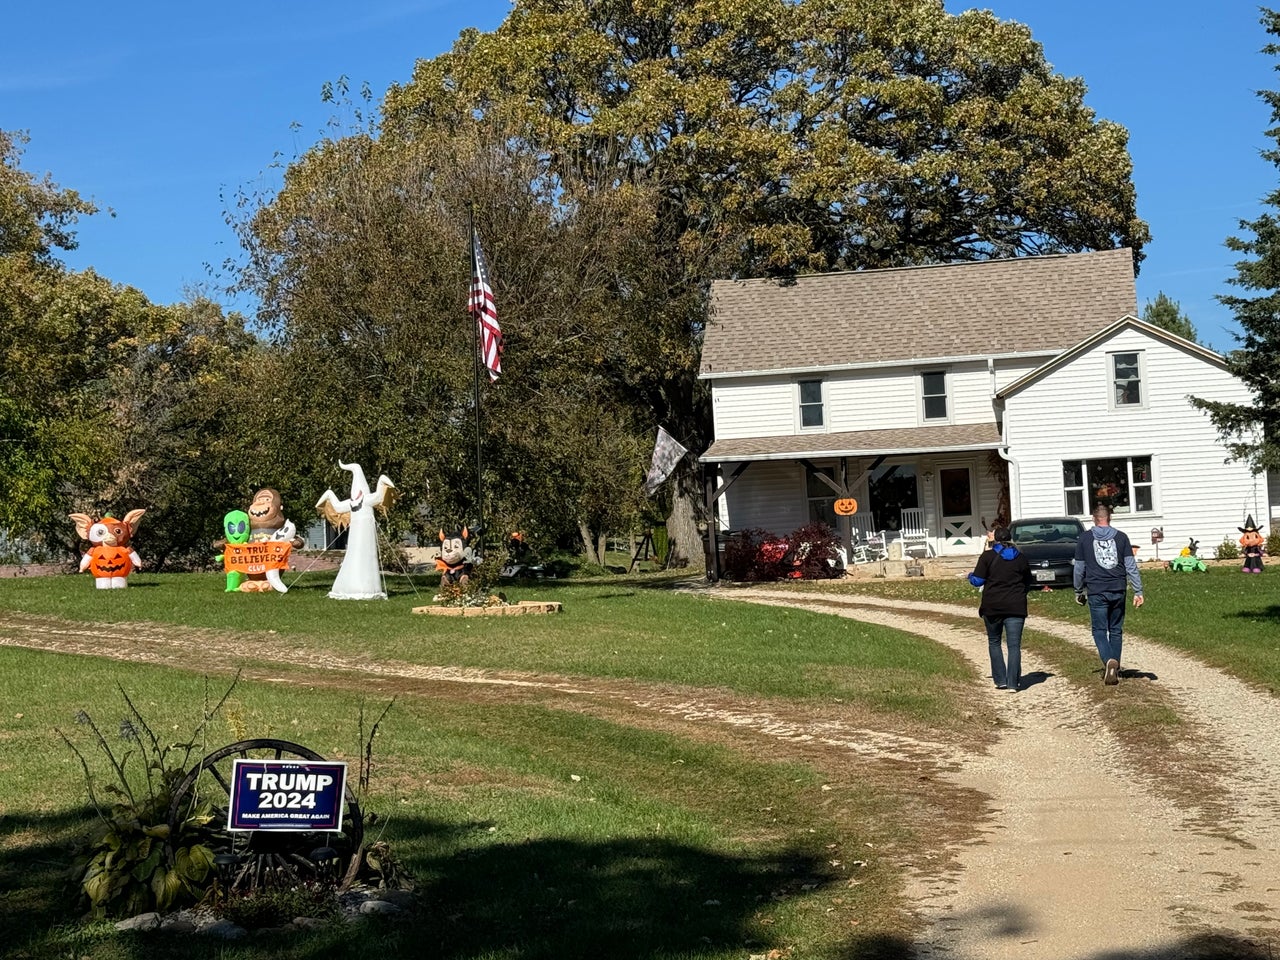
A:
{"x": 477, "y": 359}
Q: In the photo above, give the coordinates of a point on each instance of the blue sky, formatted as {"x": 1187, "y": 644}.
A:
{"x": 159, "y": 110}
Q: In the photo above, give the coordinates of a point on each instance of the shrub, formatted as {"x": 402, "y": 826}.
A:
{"x": 1272, "y": 545}
{"x": 815, "y": 552}
{"x": 754, "y": 555}
{"x": 1228, "y": 549}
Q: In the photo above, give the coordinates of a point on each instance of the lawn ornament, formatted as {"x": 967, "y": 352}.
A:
{"x": 1251, "y": 541}
{"x": 110, "y": 558}
{"x": 1187, "y": 561}
{"x": 235, "y": 531}
{"x": 267, "y": 524}
{"x": 266, "y": 518}
{"x": 359, "y": 576}
{"x": 456, "y": 559}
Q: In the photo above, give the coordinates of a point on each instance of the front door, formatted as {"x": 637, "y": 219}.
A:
{"x": 962, "y": 533}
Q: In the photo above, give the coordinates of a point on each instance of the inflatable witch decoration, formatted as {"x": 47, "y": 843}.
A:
{"x": 359, "y": 577}
{"x": 1251, "y": 543}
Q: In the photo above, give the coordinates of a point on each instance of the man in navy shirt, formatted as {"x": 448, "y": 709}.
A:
{"x": 1104, "y": 563}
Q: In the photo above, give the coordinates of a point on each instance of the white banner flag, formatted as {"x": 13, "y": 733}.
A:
{"x": 666, "y": 454}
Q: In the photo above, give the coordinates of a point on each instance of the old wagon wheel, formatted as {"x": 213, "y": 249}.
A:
{"x": 264, "y": 858}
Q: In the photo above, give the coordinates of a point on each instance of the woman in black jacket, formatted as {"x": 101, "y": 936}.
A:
{"x": 1004, "y": 575}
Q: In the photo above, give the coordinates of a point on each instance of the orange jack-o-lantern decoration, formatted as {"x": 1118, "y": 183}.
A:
{"x": 846, "y": 507}
{"x": 110, "y": 558}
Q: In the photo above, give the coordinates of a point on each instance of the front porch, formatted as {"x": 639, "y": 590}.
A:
{"x": 893, "y": 496}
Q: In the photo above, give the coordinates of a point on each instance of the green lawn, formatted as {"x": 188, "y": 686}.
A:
{"x": 535, "y": 827}
{"x": 540, "y": 825}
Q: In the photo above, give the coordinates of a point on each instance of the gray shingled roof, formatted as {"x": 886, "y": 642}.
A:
{"x": 1024, "y": 305}
{"x": 857, "y": 443}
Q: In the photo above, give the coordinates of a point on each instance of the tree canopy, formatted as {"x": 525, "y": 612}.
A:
{"x": 621, "y": 155}
{"x": 1167, "y": 313}
{"x": 1251, "y": 431}
{"x": 615, "y": 156}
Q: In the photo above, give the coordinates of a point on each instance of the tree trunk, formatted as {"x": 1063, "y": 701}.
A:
{"x": 592, "y": 546}
{"x": 685, "y": 541}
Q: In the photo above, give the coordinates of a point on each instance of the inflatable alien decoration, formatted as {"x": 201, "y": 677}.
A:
{"x": 235, "y": 530}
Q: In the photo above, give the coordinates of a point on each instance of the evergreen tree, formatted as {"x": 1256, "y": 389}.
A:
{"x": 1251, "y": 432}
{"x": 1167, "y": 313}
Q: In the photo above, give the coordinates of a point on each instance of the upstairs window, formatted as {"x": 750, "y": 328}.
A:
{"x": 1126, "y": 380}
{"x": 933, "y": 395}
{"x": 811, "y": 407}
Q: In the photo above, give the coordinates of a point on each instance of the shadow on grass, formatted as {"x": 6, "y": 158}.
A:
{"x": 631, "y": 899}
{"x": 627, "y": 898}
{"x": 1138, "y": 675}
{"x": 1267, "y": 613}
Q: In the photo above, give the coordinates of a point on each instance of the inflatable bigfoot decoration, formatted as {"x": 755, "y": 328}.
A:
{"x": 110, "y": 558}
{"x": 257, "y": 544}
{"x": 359, "y": 577}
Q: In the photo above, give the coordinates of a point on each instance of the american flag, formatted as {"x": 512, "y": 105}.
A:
{"x": 485, "y": 312}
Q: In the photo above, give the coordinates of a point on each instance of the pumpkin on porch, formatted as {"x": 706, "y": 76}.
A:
{"x": 845, "y": 507}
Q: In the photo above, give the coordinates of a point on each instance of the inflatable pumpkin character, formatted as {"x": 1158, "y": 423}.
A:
{"x": 1251, "y": 542}
{"x": 110, "y": 558}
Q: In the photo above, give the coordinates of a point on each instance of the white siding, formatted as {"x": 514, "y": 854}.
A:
{"x": 970, "y": 388}
{"x": 769, "y": 495}
{"x": 880, "y": 399}
{"x": 871, "y": 400}
{"x": 1067, "y": 416}
{"x": 759, "y": 407}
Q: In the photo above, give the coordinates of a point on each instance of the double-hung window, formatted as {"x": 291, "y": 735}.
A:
{"x": 934, "y": 404}
{"x": 1125, "y": 484}
{"x": 1126, "y": 380}
{"x": 812, "y": 413}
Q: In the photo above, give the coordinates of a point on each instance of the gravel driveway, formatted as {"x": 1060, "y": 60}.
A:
{"x": 1083, "y": 856}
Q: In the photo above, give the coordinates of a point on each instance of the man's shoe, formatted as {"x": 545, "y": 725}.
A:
{"x": 1112, "y": 676}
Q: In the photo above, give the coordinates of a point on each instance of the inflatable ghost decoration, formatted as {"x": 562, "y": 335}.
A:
{"x": 359, "y": 577}
{"x": 110, "y": 558}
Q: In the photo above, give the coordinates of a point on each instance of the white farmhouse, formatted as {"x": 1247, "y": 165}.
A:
{"x": 941, "y": 398}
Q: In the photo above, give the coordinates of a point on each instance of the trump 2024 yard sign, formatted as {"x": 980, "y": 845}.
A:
{"x": 286, "y": 795}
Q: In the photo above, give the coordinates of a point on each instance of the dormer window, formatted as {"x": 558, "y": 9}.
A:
{"x": 1126, "y": 380}
{"x": 812, "y": 415}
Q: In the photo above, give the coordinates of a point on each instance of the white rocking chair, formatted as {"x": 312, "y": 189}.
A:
{"x": 915, "y": 536}
{"x": 869, "y": 544}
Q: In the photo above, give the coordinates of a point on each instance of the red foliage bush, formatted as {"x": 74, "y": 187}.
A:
{"x": 815, "y": 552}
{"x": 811, "y": 552}
{"x": 754, "y": 555}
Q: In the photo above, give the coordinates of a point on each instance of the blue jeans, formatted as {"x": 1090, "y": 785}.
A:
{"x": 1106, "y": 614}
{"x": 1012, "y": 627}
